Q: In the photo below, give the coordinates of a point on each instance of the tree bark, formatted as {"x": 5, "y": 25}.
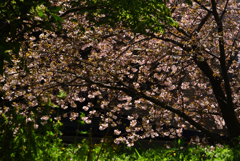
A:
{"x": 227, "y": 107}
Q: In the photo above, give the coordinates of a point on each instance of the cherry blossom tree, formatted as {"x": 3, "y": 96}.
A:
{"x": 19, "y": 17}
{"x": 185, "y": 77}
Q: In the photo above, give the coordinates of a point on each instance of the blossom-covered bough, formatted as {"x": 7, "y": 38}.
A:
{"x": 186, "y": 77}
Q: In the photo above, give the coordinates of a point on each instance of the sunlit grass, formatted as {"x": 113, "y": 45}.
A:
{"x": 45, "y": 145}
{"x": 56, "y": 150}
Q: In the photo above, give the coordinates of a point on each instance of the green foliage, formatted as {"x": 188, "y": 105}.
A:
{"x": 81, "y": 122}
{"x": 62, "y": 94}
{"x": 136, "y": 15}
{"x": 17, "y": 17}
{"x": 20, "y": 141}
{"x": 30, "y": 144}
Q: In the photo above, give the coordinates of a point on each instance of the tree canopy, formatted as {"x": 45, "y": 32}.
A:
{"x": 186, "y": 76}
{"x": 22, "y": 17}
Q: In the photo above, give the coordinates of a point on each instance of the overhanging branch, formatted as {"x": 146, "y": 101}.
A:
{"x": 204, "y": 20}
{"x": 134, "y": 92}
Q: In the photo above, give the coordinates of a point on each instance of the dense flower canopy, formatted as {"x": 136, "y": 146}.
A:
{"x": 175, "y": 78}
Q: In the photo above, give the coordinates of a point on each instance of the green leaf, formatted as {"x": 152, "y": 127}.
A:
{"x": 40, "y": 13}
{"x": 82, "y": 114}
{"x": 62, "y": 94}
{"x": 5, "y": 117}
{"x": 57, "y": 18}
{"x": 49, "y": 101}
{"x": 138, "y": 153}
{"x": 179, "y": 142}
{"x": 83, "y": 132}
{"x": 82, "y": 122}
{"x": 55, "y": 106}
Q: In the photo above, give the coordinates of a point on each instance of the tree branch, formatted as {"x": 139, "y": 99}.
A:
{"x": 180, "y": 29}
{"x": 224, "y": 11}
{"x": 229, "y": 63}
{"x": 227, "y": 110}
{"x": 133, "y": 92}
{"x": 183, "y": 46}
{"x": 202, "y": 5}
{"x": 204, "y": 20}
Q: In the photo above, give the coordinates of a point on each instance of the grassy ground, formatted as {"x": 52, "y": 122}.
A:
{"x": 56, "y": 150}
{"x": 46, "y": 145}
